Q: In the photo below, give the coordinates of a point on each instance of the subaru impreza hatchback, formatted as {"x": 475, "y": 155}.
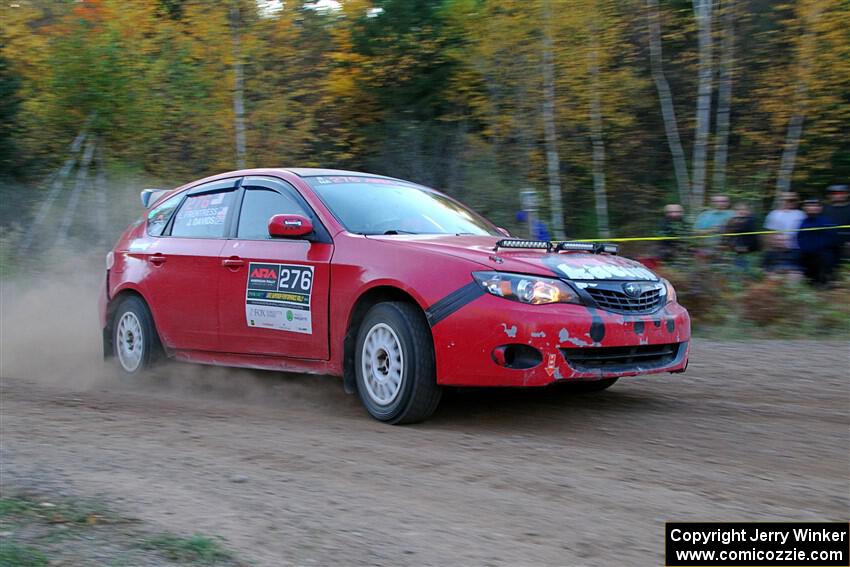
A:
{"x": 396, "y": 287}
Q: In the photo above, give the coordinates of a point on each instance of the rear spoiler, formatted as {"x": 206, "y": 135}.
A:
{"x": 595, "y": 247}
{"x": 150, "y": 196}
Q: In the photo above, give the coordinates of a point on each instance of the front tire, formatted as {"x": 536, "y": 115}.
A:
{"x": 134, "y": 340}
{"x": 394, "y": 364}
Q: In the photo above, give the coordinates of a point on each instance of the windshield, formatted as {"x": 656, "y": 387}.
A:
{"x": 373, "y": 205}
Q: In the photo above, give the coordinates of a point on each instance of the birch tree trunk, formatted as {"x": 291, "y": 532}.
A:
{"x": 553, "y": 165}
{"x": 789, "y": 151}
{"x": 795, "y": 124}
{"x": 724, "y": 98}
{"x": 238, "y": 85}
{"x": 668, "y": 111}
{"x": 599, "y": 194}
{"x": 702, "y": 10}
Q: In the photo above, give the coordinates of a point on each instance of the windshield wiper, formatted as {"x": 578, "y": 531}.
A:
{"x": 396, "y": 231}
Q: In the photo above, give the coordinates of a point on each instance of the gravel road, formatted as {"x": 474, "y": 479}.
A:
{"x": 290, "y": 470}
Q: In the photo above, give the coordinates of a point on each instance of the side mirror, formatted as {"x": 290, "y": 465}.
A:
{"x": 289, "y": 226}
{"x": 504, "y": 231}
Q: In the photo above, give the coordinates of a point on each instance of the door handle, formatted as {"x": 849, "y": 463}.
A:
{"x": 233, "y": 262}
{"x": 157, "y": 259}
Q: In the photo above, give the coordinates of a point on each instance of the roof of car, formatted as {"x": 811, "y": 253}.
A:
{"x": 317, "y": 171}
{"x": 299, "y": 171}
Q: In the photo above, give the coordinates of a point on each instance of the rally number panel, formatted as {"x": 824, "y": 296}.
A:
{"x": 278, "y": 297}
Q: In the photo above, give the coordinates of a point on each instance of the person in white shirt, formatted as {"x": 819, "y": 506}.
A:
{"x": 786, "y": 218}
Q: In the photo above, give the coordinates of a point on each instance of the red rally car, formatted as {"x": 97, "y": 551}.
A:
{"x": 396, "y": 287}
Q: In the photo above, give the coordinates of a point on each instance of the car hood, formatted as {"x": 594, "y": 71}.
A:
{"x": 569, "y": 265}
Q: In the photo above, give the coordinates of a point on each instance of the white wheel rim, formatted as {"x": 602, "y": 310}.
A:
{"x": 130, "y": 341}
{"x": 382, "y": 363}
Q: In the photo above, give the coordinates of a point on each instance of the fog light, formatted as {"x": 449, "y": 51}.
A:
{"x": 517, "y": 356}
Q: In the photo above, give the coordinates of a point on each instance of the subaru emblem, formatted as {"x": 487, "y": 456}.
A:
{"x": 632, "y": 289}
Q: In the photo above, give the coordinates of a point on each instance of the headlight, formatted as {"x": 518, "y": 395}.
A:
{"x": 669, "y": 291}
{"x": 526, "y": 289}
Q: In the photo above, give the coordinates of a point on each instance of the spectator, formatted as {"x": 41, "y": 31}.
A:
{"x": 817, "y": 247}
{"x": 744, "y": 244}
{"x": 782, "y": 249}
{"x": 838, "y": 211}
{"x": 673, "y": 226}
{"x": 787, "y": 219}
{"x": 714, "y": 220}
{"x": 743, "y": 221}
{"x": 539, "y": 230}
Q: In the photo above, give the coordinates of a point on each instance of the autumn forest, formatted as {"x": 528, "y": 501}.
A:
{"x": 607, "y": 108}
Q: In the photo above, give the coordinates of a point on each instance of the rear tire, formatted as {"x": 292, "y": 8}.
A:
{"x": 135, "y": 342}
{"x": 394, "y": 364}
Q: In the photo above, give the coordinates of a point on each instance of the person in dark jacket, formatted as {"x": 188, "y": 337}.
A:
{"x": 674, "y": 227}
{"x": 838, "y": 211}
{"x": 744, "y": 244}
{"x": 817, "y": 247}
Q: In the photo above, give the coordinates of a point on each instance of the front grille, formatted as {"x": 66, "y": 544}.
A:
{"x": 621, "y": 358}
{"x": 614, "y": 300}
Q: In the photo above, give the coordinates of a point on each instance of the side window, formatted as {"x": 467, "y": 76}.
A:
{"x": 261, "y": 204}
{"x": 203, "y": 216}
{"x": 158, "y": 217}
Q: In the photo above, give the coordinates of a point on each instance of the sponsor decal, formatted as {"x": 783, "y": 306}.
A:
{"x": 550, "y": 364}
{"x": 335, "y": 179}
{"x": 278, "y": 296}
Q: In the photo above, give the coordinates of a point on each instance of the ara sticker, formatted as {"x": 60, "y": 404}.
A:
{"x": 278, "y": 297}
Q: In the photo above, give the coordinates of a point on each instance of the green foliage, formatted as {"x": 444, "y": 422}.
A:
{"x": 723, "y": 302}
{"x": 12, "y": 553}
{"x": 194, "y": 549}
{"x": 10, "y": 83}
{"x": 445, "y": 92}
{"x": 69, "y": 531}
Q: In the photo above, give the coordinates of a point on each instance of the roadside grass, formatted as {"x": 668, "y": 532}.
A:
{"x": 36, "y": 531}
{"x": 762, "y": 306}
{"x": 12, "y": 553}
{"x": 194, "y": 549}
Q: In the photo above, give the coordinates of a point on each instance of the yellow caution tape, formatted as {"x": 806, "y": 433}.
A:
{"x": 702, "y": 236}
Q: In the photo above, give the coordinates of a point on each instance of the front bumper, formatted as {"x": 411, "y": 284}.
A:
{"x": 627, "y": 345}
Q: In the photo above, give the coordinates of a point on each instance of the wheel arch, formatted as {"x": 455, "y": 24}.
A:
{"x": 111, "y": 306}
{"x": 367, "y": 300}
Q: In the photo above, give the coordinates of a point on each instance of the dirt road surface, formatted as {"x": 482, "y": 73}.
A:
{"x": 291, "y": 471}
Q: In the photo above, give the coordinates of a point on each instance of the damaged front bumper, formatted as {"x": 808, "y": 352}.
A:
{"x": 494, "y": 342}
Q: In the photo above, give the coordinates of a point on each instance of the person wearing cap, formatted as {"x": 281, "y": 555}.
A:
{"x": 838, "y": 211}
{"x": 817, "y": 247}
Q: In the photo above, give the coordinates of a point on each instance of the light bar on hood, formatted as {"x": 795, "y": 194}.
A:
{"x": 527, "y": 244}
{"x": 595, "y": 247}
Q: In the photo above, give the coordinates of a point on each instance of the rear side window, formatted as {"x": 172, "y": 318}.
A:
{"x": 159, "y": 217}
{"x": 261, "y": 204}
{"x": 203, "y": 216}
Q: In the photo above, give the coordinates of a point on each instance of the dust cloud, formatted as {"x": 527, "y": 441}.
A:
{"x": 50, "y": 334}
{"x": 48, "y": 321}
